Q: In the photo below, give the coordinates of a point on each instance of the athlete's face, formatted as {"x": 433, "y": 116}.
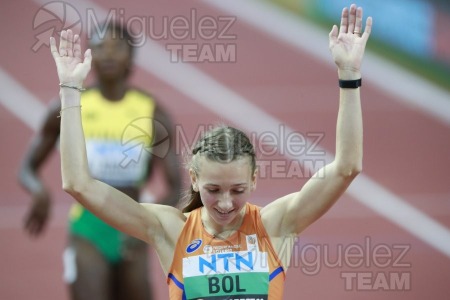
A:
{"x": 224, "y": 188}
{"x": 111, "y": 55}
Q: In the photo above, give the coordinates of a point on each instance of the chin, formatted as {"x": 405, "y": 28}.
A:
{"x": 109, "y": 75}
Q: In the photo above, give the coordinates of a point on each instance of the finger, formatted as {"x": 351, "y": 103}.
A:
{"x": 351, "y": 19}
{"x": 344, "y": 21}
{"x": 63, "y": 44}
{"x": 53, "y": 48}
{"x": 77, "y": 46}
{"x": 358, "y": 21}
{"x": 333, "y": 35}
{"x": 69, "y": 43}
{"x": 87, "y": 58}
{"x": 368, "y": 28}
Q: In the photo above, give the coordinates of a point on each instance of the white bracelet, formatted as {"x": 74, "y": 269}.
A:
{"x": 80, "y": 89}
{"x": 75, "y": 106}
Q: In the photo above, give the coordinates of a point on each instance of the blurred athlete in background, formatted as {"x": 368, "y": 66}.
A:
{"x": 120, "y": 123}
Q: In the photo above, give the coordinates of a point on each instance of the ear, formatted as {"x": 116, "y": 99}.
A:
{"x": 194, "y": 181}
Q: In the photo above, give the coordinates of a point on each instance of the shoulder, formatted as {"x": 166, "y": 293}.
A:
{"x": 159, "y": 112}
{"x": 253, "y": 212}
{"x": 144, "y": 94}
{"x": 253, "y": 208}
{"x": 171, "y": 220}
{"x": 147, "y": 96}
{"x": 273, "y": 215}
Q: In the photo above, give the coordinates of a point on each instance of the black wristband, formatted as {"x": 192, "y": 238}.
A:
{"x": 350, "y": 84}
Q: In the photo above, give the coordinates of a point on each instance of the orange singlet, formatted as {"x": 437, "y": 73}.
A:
{"x": 245, "y": 266}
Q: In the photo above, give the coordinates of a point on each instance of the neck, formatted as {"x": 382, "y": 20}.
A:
{"x": 222, "y": 231}
{"x": 113, "y": 90}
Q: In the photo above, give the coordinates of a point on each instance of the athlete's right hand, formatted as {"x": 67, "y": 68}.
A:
{"x": 72, "y": 69}
{"x": 38, "y": 215}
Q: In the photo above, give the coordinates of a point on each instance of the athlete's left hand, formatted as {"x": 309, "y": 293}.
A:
{"x": 347, "y": 45}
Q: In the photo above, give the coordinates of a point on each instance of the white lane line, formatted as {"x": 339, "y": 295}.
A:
{"x": 203, "y": 89}
{"x": 20, "y": 102}
{"x": 289, "y": 28}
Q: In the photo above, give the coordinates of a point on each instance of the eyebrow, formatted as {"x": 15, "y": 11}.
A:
{"x": 233, "y": 185}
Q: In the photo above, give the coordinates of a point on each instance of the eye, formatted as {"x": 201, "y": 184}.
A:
{"x": 213, "y": 191}
{"x": 238, "y": 191}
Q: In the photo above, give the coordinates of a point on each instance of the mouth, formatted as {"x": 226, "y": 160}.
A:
{"x": 224, "y": 213}
{"x": 108, "y": 64}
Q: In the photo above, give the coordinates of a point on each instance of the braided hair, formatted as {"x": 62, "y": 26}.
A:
{"x": 222, "y": 144}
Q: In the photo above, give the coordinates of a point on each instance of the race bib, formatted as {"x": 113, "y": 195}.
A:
{"x": 231, "y": 275}
{"x": 115, "y": 164}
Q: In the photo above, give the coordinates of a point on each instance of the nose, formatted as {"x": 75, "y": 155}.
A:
{"x": 226, "y": 202}
{"x": 108, "y": 51}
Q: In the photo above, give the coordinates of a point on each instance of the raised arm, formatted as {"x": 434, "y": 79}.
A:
{"x": 106, "y": 202}
{"x": 293, "y": 213}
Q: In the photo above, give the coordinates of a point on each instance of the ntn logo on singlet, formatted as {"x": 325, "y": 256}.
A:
{"x": 225, "y": 263}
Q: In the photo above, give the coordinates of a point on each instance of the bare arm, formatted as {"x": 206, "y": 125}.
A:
{"x": 293, "y": 213}
{"x": 146, "y": 222}
{"x": 41, "y": 146}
